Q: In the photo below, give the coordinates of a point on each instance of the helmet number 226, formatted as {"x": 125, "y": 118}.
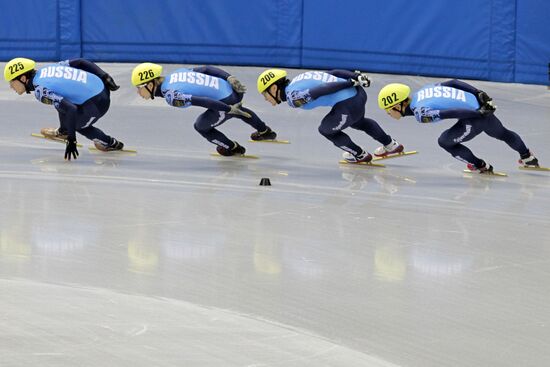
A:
{"x": 144, "y": 75}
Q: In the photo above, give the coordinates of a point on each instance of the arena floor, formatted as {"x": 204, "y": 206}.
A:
{"x": 172, "y": 257}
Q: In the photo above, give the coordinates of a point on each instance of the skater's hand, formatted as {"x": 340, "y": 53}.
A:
{"x": 361, "y": 80}
{"x": 483, "y": 98}
{"x": 236, "y": 84}
{"x": 487, "y": 109}
{"x": 236, "y": 110}
{"x": 486, "y": 104}
{"x": 71, "y": 149}
{"x": 109, "y": 82}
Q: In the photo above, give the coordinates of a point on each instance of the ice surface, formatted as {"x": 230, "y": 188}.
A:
{"x": 176, "y": 258}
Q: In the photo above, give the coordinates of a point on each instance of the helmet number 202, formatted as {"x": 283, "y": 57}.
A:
{"x": 147, "y": 74}
{"x": 16, "y": 67}
{"x": 389, "y": 99}
{"x": 267, "y": 77}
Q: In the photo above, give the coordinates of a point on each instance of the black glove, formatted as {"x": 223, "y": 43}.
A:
{"x": 109, "y": 82}
{"x": 71, "y": 148}
{"x": 487, "y": 109}
{"x": 486, "y": 105}
{"x": 235, "y": 109}
{"x": 361, "y": 79}
{"x": 236, "y": 84}
{"x": 483, "y": 98}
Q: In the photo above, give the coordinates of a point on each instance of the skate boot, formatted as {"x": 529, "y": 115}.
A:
{"x": 392, "y": 148}
{"x": 529, "y": 160}
{"x": 236, "y": 150}
{"x": 362, "y": 157}
{"x": 484, "y": 169}
{"x": 268, "y": 134}
{"x": 114, "y": 145}
{"x": 53, "y": 133}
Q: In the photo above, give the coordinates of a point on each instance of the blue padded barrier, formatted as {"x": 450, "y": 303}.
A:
{"x": 502, "y": 22}
{"x": 532, "y": 41}
{"x": 69, "y": 29}
{"x": 207, "y": 31}
{"x": 19, "y": 37}
{"x": 500, "y": 40}
{"x": 412, "y": 37}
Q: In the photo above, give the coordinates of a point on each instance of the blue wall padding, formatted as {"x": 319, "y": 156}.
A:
{"x": 532, "y": 41}
{"x": 206, "y": 31}
{"x": 400, "y": 36}
{"x": 69, "y": 29}
{"x": 501, "y": 40}
{"x": 21, "y": 36}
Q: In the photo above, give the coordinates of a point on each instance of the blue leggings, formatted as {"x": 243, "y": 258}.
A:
{"x": 87, "y": 114}
{"x": 208, "y": 121}
{"x": 467, "y": 129}
{"x": 350, "y": 113}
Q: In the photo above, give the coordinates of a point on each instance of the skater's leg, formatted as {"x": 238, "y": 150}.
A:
{"x": 355, "y": 108}
{"x": 462, "y": 131}
{"x": 95, "y": 134}
{"x": 56, "y": 132}
{"x": 494, "y": 128}
{"x": 90, "y": 113}
{"x": 206, "y": 126}
{"x": 253, "y": 121}
{"x": 331, "y": 128}
{"x": 263, "y": 131}
{"x": 373, "y": 129}
{"x": 101, "y": 140}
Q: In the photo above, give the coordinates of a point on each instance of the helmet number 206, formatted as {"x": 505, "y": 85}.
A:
{"x": 267, "y": 77}
{"x": 389, "y": 99}
{"x": 16, "y": 67}
{"x": 147, "y": 74}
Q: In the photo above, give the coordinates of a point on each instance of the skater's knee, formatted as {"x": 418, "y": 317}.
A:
{"x": 445, "y": 142}
{"x": 326, "y": 131}
{"x": 202, "y": 128}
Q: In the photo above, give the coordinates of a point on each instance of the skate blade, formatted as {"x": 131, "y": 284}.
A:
{"x": 495, "y": 173}
{"x": 94, "y": 149}
{"x": 57, "y": 140}
{"x": 534, "y": 168}
{"x": 273, "y": 141}
{"x": 361, "y": 164}
{"x": 396, "y": 155}
{"x": 249, "y": 156}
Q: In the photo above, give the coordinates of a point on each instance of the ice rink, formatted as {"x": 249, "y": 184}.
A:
{"x": 172, "y": 257}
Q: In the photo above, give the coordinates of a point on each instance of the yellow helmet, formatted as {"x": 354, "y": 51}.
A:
{"x": 144, "y": 73}
{"x": 393, "y": 94}
{"x": 269, "y": 77}
{"x": 16, "y": 67}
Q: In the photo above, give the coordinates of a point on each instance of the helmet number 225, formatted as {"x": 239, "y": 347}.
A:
{"x": 16, "y": 67}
